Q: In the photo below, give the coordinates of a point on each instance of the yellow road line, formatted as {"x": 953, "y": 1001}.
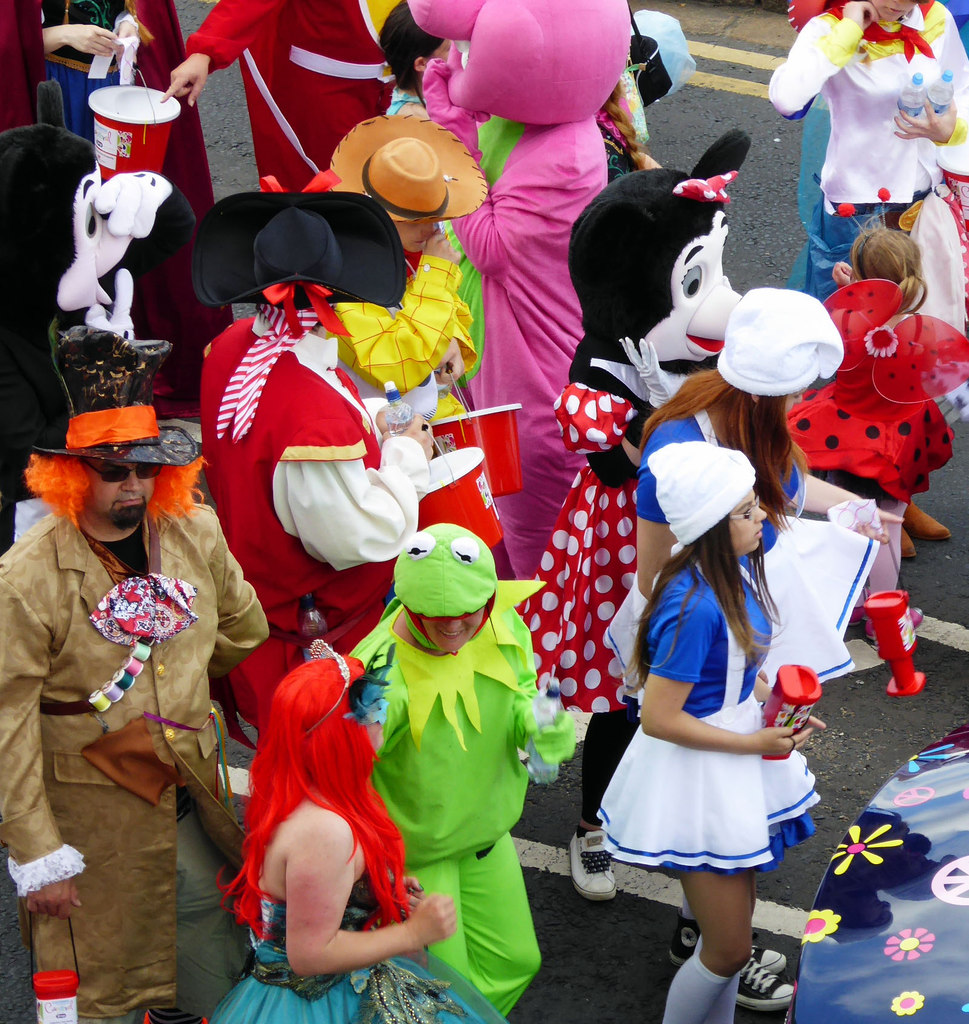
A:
{"x": 732, "y": 56}
{"x": 720, "y": 82}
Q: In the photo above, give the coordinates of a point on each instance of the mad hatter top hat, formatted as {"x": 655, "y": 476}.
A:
{"x": 250, "y": 243}
{"x": 414, "y": 168}
{"x": 108, "y": 381}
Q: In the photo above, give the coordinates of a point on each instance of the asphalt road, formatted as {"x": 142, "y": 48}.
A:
{"x": 606, "y": 962}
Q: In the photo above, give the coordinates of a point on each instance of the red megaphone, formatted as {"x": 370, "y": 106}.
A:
{"x": 895, "y": 634}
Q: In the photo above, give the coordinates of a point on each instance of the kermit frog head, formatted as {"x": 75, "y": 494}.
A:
{"x": 446, "y": 580}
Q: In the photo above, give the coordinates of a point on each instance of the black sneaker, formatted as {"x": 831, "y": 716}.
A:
{"x": 771, "y": 960}
{"x": 761, "y": 990}
{"x": 684, "y": 940}
{"x": 687, "y": 934}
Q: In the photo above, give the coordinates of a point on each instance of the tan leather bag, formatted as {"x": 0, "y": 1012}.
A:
{"x": 127, "y": 757}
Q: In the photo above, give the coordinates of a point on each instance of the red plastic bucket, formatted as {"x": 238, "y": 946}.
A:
{"x": 495, "y": 432}
{"x": 460, "y": 494}
{"x": 954, "y": 162}
{"x": 131, "y": 128}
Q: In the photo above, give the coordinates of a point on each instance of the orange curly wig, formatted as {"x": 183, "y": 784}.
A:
{"x": 61, "y": 482}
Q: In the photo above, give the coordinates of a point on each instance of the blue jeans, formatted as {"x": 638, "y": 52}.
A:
{"x": 830, "y": 238}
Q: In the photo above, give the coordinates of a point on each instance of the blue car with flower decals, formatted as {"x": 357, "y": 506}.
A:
{"x": 888, "y": 934}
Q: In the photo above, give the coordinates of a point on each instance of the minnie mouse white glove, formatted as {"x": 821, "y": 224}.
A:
{"x": 660, "y": 385}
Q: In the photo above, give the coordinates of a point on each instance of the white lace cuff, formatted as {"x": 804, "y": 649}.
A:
{"x": 123, "y": 17}
{"x": 65, "y": 862}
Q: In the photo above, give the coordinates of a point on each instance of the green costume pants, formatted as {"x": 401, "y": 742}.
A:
{"x": 494, "y": 946}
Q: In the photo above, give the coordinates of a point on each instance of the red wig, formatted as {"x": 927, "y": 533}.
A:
{"x": 311, "y": 751}
{"x": 60, "y": 480}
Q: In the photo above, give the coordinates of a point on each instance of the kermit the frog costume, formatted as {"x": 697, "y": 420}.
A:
{"x": 449, "y": 769}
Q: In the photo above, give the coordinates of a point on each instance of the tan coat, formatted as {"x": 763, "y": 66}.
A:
{"x": 50, "y": 795}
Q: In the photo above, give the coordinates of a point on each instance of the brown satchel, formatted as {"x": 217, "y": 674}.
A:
{"x": 127, "y": 757}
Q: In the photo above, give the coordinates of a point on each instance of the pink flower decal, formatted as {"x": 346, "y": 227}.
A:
{"x": 909, "y": 944}
{"x": 906, "y": 1004}
{"x": 819, "y": 924}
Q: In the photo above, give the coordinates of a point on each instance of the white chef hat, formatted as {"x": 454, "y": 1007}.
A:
{"x": 777, "y": 342}
{"x": 698, "y": 484}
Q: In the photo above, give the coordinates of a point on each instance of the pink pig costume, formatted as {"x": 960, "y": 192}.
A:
{"x": 549, "y": 65}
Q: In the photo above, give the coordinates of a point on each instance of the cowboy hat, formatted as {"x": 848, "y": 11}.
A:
{"x": 414, "y": 168}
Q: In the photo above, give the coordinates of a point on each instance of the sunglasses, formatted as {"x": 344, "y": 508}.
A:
{"x": 114, "y": 473}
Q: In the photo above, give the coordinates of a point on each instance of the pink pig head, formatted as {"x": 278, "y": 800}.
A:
{"x": 535, "y": 61}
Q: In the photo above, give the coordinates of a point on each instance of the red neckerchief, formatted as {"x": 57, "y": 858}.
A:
{"x": 911, "y": 38}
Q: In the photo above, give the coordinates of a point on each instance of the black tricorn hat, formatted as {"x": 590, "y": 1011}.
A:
{"x": 108, "y": 381}
{"x": 251, "y": 241}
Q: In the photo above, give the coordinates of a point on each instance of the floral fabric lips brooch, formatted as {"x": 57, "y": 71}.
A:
{"x": 151, "y": 608}
{"x": 889, "y": 368}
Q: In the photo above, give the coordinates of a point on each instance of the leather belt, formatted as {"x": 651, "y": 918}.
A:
{"x": 65, "y": 707}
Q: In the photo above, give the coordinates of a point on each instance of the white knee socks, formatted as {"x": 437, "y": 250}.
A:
{"x": 698, "y": 996}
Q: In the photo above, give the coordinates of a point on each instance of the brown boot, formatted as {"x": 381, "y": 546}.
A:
{"x": 908, "y": 547}
{"x": 922, "y": 526}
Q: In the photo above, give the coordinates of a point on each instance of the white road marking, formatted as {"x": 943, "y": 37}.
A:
{"x": 652, "y": 885}
{"x": 655, "y": 886}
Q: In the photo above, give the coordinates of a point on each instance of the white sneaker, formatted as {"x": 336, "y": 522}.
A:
{"x": 591, "y": 865}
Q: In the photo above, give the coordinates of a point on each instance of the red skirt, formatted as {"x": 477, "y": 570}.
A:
{"x": 588, "y": 567}
{"x": 897, "y": 454}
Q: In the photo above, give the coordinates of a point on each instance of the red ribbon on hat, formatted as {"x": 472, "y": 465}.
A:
{"x": 322, "y": 181}
{"x": 706, "y": 190}
{"x": 284, "y": 295}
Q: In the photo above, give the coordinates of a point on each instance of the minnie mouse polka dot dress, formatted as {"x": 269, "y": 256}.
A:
{"x": 590, "y": 563}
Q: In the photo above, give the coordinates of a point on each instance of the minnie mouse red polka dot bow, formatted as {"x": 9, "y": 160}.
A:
{"x": 706, "y": 190}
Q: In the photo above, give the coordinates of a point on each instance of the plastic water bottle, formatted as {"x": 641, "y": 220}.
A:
{"x": 911, "y": 99}
{"x": 545, "y": 707}
{"x": 398, "y": 413}
{"x": 940, "y": 93}
{"x": 310, "y": 623}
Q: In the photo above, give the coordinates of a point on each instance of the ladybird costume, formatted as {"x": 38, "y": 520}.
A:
{"x": 878, "y": 420}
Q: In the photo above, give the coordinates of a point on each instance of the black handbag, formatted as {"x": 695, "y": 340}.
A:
{"x": 652, "y": 78}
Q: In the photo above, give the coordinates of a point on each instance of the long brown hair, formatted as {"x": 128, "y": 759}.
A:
{"x": 758, "y": 428}
{"x": 712, "y": 557}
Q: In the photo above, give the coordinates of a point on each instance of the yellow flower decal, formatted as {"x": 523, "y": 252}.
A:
{"x": 819, "y": 924}
{"x": 862, "y": 847}
{"x": 907, "y": 1003}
